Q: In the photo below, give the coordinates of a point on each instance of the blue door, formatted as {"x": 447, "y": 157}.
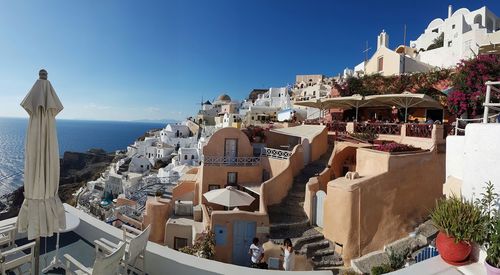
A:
{"x": 243, "y": 234}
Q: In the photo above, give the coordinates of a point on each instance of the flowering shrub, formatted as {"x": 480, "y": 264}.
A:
{"x": 469, "y": 84}
{"x": 428, "y": 83}
{"x": 255, "y": 133}
{"x": 204, "y": 246}
{"x": 396, "y": 147}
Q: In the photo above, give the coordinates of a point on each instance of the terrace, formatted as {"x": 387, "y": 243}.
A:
{"x": 79, "y": 244}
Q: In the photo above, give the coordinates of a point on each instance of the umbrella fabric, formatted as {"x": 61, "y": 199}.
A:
{"x": 42, "y": 212}
{"x": 406, "y": 100}
{"x": 229, "y": 197}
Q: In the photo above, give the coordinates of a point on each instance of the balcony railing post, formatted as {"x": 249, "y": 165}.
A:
{"x": 487, "y": 102}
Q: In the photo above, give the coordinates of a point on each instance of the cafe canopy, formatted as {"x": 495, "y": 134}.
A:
{"x": 404, "y": 100}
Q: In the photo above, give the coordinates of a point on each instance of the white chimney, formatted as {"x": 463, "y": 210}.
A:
{"x": 450, "y": 10}
{"x": 383, "y": 40}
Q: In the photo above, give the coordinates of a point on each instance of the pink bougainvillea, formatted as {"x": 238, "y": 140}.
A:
{"x": 396, "y": 147}
{"x": 469, "y": 84}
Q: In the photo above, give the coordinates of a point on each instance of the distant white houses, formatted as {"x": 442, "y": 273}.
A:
{"x": 174, "y": 130}
{"x": 139, "y": 164}
{"x": 463, "y": 32}
{"x": 187, "y": 156}
{"x": 443, "y": 44}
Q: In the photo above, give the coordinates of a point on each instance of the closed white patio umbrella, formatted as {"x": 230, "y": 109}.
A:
{"x": 229, "y": 197}
{"x": 42, "y": 213}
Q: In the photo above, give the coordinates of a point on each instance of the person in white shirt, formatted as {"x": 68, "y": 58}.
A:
{"x": 257, "y": 253}
{"x": 288, "y": 255}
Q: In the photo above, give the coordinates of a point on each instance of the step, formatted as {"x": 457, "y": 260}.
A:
{"x": 324, "y": 252}
{"x": 300, "y": 242}
{"x": 310, "y": 248}
{"x": 328, "y": 263}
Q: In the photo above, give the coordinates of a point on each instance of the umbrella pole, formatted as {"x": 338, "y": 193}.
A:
{"x": 356, "y": 114}
{"x": 406, "y": 114}
{"x": 37, "y": 255}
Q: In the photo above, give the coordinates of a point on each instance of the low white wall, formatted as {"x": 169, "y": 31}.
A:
{"x": 481, "y": 158}
{"x": 455, "y": 156}
{"x": 161, "y": 259}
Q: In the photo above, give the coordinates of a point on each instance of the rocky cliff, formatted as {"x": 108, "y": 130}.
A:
{"x": 76, "y": 170}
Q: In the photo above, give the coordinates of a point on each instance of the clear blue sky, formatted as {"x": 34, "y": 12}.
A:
{"x": 128, "y": 60}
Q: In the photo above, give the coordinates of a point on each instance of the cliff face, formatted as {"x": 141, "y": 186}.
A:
{"x": 76, "y": 170}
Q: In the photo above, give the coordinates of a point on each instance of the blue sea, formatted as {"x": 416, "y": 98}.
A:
{"x": 74, "y": 135}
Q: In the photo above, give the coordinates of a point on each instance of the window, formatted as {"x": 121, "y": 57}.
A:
{"x": 232, "y": 178}
{"x": 314, "y": 93}
{"x": 213, "y": 187}
{"x": 453, "y": 26}
{"x": 180, "y": 243}
{"x": 435, "y": 30}
{"x": 192, "y": 156}
{"x": 380, "y": 64}
{"x": 231, "y": 147}
{"x": 450, "y": 43}
{"x": 185, "y": 157}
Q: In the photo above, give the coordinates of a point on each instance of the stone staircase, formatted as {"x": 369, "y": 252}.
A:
{"x": 288, "y": 220}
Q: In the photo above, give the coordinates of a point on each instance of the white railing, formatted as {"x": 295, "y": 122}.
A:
{"x": 487, "y": 104}
{"x": 276, "y": 153}
{"x": 490, "y": 85}
{"x": 464, "y": 121}
{"x": 230, "y": 161}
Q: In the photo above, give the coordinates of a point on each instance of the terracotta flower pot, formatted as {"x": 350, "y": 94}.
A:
{"x": 490, "y": 270}
{"x": 451, "y": 252}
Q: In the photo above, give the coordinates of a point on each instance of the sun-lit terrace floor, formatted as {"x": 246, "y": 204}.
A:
{"x": 69, "y": 243}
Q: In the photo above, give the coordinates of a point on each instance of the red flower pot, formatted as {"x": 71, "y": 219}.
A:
{"x": 451, "y": 252}
{"x": 490, "y": 270}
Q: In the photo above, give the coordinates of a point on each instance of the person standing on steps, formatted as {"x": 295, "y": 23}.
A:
{"x": 257, "y": 253}
{"x": 288, "y": 255}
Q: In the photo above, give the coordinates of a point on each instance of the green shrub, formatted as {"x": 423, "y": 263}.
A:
{"x": 398, "y": 259}
{"x": 381, "y": 269}
{"x": 460, "y": 219}
{"x": 488, "y": 202}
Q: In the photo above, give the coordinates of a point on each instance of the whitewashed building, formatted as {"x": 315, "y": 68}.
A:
{"x": 139, "y": 164}
{"x": 463, "y": 32}
{"x": 174, "y": 130}
{"x": 188, "y": 156}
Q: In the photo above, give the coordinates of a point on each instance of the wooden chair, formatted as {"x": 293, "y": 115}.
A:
{"x": 15, "y": 258}
{"x": 136, "y": 241}
{"x": 103, "y": 264}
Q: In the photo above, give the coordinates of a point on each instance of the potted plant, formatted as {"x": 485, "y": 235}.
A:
{"x": 488, "y": 203}
{"x": 461, "y": 222}
{"x": 492, "y": 262}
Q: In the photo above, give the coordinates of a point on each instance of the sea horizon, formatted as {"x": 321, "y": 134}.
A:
{"x": 73, "y": 136}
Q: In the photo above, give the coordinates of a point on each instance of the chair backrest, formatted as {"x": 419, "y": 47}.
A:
{"x": 109, "y": 264}
{"x": 138, "y": 244}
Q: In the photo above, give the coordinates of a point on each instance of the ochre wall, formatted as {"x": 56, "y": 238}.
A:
{"x": 173, "y": 230}
{"x": 275, "y": 189}
{"x": 247, "y": 175}
{"x": 393, "y": 195}
{"x": 183, "y": 189}
{"x": 224, "y": 253}
{"x": 217, "y": 175}
{"x": 216, "y": 143}
{"x": 319, "y": 145}
{"x": 156, "y": 214}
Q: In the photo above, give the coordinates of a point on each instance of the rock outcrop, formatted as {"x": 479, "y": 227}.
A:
{"x": 76, "y": 170}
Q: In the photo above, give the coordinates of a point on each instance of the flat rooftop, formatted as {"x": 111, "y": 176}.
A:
{"x": 302, "y": 131}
